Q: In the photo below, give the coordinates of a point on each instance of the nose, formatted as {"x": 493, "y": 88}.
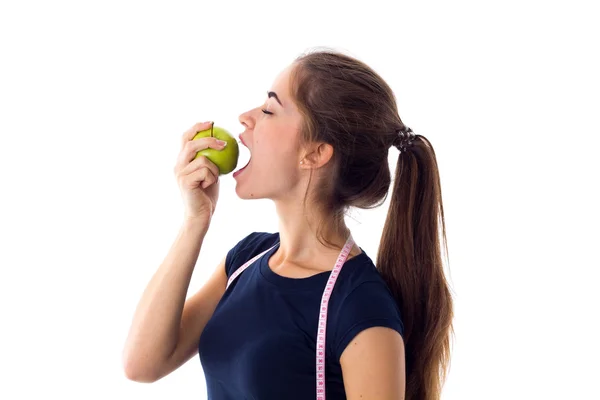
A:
{"x": 247, "y": 120}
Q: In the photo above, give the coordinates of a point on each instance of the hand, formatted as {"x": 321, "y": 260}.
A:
{"x": 198, "y": 179}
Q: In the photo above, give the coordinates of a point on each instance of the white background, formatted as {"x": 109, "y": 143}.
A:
{"x": 94, "y": 97}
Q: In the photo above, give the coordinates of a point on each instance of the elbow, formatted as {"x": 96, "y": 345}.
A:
{"x": 138, "y": 376}
{"x": 136, "y": 371}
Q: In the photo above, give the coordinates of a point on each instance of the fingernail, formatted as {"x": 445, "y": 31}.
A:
{"x": 222, "y": 143}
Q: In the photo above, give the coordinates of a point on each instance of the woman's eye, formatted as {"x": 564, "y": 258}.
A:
{"x": 267, "y": 112}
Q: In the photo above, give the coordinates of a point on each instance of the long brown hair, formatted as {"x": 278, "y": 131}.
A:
{"x": 347, "y": 104}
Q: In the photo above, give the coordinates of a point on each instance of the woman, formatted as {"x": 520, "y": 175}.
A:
{"x": 312, "y": 310}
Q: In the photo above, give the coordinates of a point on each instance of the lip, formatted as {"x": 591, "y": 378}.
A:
{"x": 239, "y": 171}
{"x": 242, "y": 140}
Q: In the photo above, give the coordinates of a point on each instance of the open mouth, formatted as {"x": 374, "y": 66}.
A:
{"x": 245, "y": 157}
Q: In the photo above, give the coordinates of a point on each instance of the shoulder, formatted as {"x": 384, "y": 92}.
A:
{"x": 363, "y": 301}
{"x": 248, "y": 247}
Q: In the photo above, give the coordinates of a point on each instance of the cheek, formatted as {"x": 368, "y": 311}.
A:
{"x": 277, "y": 153}
{"x": 287, "y": 159}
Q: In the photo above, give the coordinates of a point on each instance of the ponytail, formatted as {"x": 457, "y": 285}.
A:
{"x": 410, "y": 261}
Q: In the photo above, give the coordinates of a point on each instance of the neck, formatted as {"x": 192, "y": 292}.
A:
{"x": 298, "y": 234}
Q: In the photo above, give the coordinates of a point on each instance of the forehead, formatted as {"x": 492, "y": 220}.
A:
{"x": 281, "y": 84}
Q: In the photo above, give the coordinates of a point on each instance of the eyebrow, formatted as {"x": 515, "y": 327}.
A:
{"x": 273, "y": 94}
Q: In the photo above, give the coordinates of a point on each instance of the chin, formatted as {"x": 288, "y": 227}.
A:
{"x": 244, "y": 187}
{"x": 245, "y": 194}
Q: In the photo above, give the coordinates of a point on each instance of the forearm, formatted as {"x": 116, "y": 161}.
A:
{"x": 155, "y": 327}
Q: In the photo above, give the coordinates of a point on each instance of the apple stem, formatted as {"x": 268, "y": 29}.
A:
{"x": 211, "y": 129}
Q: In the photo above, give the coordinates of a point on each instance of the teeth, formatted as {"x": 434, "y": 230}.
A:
{"x": 245, "y": 155}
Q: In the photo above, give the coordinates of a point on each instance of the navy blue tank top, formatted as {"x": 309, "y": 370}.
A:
{"x": 260, "y": 343}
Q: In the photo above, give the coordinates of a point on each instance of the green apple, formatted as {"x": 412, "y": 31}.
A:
{"x": 225, "y": 159}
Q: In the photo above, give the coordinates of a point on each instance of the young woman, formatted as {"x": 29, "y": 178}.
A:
{"x": 305, "y": 313}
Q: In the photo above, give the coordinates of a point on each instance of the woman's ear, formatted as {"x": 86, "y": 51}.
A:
{"x": 318, "y": 156}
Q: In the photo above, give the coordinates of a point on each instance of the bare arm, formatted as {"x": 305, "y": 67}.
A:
{"x": 165, "y": 329}
{"x": 373, "y": 365}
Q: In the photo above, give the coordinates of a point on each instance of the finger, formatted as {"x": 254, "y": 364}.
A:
{"x": 190, "y": 133}
{"x": 192, "y": 147}
{"x": 210, "y": 179}
{"x": 193, "y": 179}
{"x": 198, "y": 163}
{"x": 199, "y": 178}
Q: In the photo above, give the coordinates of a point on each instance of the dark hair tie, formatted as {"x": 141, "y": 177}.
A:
{"x": 404, "y": 139}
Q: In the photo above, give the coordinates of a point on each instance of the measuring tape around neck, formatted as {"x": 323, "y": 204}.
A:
{"x": 322, "y": 328}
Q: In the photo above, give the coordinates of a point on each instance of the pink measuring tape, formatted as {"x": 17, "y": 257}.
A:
{"x": 322, "y": 329}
